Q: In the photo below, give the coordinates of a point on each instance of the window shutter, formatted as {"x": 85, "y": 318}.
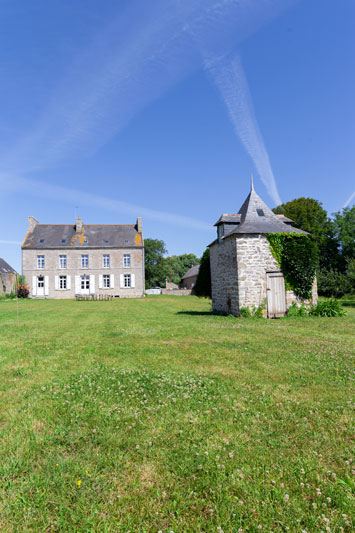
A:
{"x": 133, "y": 281}
{"x": 46, "y": 285}
{"x": 34, "y": 285}
{"x": 77, "y": 284}
{"x": 121, "y": 281}
{"x": 112, "y": 281}
{"x": 56, "y": 282}
{"x": 100, "y": 281}
{"x": 69, "y": 283}
{"x": 92, "y": 284}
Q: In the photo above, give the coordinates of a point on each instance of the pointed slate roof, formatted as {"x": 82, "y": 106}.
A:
{"x": 257, "y": 217}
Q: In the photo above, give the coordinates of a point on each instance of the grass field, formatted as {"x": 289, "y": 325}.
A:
{"x": 153, "y": 415}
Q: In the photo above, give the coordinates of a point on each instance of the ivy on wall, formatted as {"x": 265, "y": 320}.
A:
{"x": 297, "y": 257}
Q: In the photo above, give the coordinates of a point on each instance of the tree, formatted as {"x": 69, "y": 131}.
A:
{"x": 344, "y": 227}
{"x": 309, "y": 215}
{"x": 180, "y": 264}
{"x": 203, "y": 282}
{"x": 154, "y": 263}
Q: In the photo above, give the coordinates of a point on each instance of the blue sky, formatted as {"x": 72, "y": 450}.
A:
{"x": 163, "y": 109}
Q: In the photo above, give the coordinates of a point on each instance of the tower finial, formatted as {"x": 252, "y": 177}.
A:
{"x": 252, "y": 183}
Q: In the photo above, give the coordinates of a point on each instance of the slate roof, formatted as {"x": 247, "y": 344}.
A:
{"x": 49, "y": 236}
{"x": 5, "y": 268}
{"x": 255, "y": 217}
{"x": 194, "y": 270}
{"x": 228, "y": 219}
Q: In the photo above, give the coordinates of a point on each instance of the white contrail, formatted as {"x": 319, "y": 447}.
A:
{"x": 349, "y": 200}
{"x": 130, "y": 63}
{"x": 229, "y": 76}
{"x": 9, "y": 242}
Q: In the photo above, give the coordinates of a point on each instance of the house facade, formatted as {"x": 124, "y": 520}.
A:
{"x": 64, "y": 260}
{"x": 7, "y": 277}
{"x": 244, "y": 272}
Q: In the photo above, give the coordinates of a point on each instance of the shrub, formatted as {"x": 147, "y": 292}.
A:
{"x": 333, "y": 283}
{"x": 328, "y": 308}
{"x": 22, "y": 291}
{"x": 297, "y": 311}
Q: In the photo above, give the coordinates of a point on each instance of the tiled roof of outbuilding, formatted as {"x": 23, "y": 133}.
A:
{"x": 5, "y": 268}
{"x": 257, "y": 217}
{"x": 64, "y": 236}
{"x": 194, "y": 270}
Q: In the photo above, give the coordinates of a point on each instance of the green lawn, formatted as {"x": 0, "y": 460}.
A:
{"x": 154, "y": 415}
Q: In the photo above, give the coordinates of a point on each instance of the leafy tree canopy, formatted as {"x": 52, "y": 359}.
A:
{"x": 155, "y": 265}
{"x": 158, "y": 267}
{"x": 309, "y": 215}
{"x": 180, "y": 264}
{"x": 344, "y": 226}
{"x": 203, "y": 282}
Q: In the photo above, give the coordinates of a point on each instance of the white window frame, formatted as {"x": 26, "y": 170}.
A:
{"x": 127, "y": 281}
{"x": 106, "y": 260}
{"x": 63, "y": 283}
{"x": 84, "y": 282}
{"x": 126, "y": 260}
{"x": 63, "y": 261}
{"x": 106, "y": 281}
{"x": 40, "y": 262}
{"x": 85, "y": 261}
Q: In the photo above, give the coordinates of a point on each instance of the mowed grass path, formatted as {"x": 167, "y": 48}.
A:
{"x": 154, "y": 415}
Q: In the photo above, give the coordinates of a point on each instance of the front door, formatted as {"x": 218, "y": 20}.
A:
{"x": 40, "y": 285}
{"x": 276, "y": 294}
{"x": 85, "y": 284}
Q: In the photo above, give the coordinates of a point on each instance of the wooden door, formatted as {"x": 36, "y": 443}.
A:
{"x": 276, "y": 294}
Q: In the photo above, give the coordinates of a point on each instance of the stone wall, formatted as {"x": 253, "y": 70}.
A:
{"x": 52, "y": 269}
{"x": 239, "y": 265}
{"x": 224, "y": 277}
{"x": 254, "y": 259}
{"x": 7, "y": 283}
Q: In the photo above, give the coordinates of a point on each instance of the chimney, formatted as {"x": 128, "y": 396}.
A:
{"x": 78, "y": 224}
{"x": 139, "y": 224}
{"x": 32, "y": 223}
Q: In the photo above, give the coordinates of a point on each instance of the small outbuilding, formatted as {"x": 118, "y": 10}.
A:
{"x": 7, "y": 277}
{"x": 188, "y": 281}
{"x": 245, "y": 274}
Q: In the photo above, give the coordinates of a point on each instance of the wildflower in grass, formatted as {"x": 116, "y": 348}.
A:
{"x": 57, "y": 464}
{"x": 86, "y": 471}
{"x": 286, "y": 498}
{"x": 78, "y": 482}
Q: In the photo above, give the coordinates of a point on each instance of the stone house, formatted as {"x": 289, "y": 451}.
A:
{"x": 188, "y": 281}
{"x": 65, "y": 260}
{"x": 7, "y": 277}
{"x": 244, "y": 272}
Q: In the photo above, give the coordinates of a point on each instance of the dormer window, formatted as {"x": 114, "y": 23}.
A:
{"x": 63, "y": 241}
{"x": 41, "y": 241}
{"x": 220, "y": 232}
{"x": 260, "y": 212}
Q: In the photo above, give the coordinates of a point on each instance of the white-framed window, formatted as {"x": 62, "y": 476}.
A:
{"x": 126, "y": 260}
{"x": 62, "y": 261}
{"x": 106, "y": 278}
{"x": 106, "y": 260}
{"x": 84, "y": 282}
{"x": 127, "y": 280}
{"x": 62, "y": 282}
{"x": 40, "y": 261}
{"x": 84, "y": 261}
